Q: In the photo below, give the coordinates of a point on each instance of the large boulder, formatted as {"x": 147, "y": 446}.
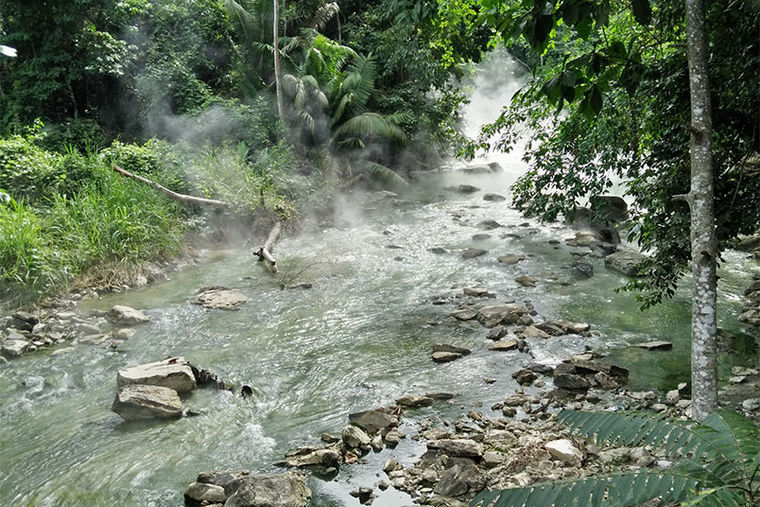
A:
{"x": 508, "y": 313}
{"x": 625, "y": 261}
{"x": 242, "y": 488}
{"x": 269, "y": 490}
{"x": 174, "y": 373}
{"x": 459, "y": 448}
{"x": 565, "y": 450}
{"x": 609, "y": 209}
{"x": 136, "y": 402}
{"x": 374, "y": 420}
{"x": 127, "y": 316}
{"x": 355, "y": 437}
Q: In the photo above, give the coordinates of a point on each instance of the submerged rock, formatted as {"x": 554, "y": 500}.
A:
{"x": 174, "y": 373}
{"x": 134, "y": 402}
{"x": 494, "y": 198}
{"x": 127, "y": 316}
{"x": 220, "y": 298}
{"x": 510, "y": 259}
{"x": 471, "y": 253}
{"x": 655, "y": 345}
{"x": 508, "y": 313}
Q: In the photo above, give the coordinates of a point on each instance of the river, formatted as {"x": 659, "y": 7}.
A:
{"x": 360, "y": 338}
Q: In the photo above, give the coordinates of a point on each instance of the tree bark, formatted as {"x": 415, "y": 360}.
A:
{"x": 187, "y": 199}
{"x": 265, "y": 252}
{"x": 703, "y": 251}
{"x": 276, "y": 45}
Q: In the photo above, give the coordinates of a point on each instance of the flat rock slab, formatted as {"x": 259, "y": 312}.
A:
{"x": 220, "y": 298}
{"x": 655, "y": 345}
{"x": 14, "y": 348}
{"x": 464, "y": 314}
{"x": 510, "y": 259}
{"x": 460, "y": 448}
{"x": 126, "y": 316}
{"x": 504, "y": 346}
{"x": 445, "y": 357}
{"x": 453, "y": 349}
{"x": 135, "y": 402}
{"x": 173, "y": 373}
{"x": 374, "y": 420}
{"x": 471, "y": 253}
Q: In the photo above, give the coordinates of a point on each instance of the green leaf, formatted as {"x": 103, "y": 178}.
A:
{"x": 596, "y": 100}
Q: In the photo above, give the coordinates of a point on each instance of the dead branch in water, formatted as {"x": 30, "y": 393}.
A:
{"x": 265, "y": 252}
{"x": 188, "y": 199}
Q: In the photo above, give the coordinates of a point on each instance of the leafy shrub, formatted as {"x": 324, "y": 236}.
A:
{"x": 84, "y": 135}
{"x": 27, "y": 171}
{"x": 154, "y": 159}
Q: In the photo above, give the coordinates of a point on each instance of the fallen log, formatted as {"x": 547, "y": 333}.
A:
{"x": 188, "y": 199}
{"x": 265, "y": 252}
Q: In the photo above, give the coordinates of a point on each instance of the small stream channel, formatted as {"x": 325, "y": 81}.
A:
{"x": 359, "y": 339}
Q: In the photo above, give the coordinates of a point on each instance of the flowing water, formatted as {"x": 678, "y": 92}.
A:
{"x": 358, "y": 339}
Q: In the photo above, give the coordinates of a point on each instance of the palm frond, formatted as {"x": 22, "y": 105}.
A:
{"x": 368, "y": 125}
{"x": 238, "y": 13}
{"x": 324, "y": 13}
{"x": 383, "y": 174}
{"x": 362, "y": 73}
{"x": 633, "y": 488}
{"x": 308, "y": 120}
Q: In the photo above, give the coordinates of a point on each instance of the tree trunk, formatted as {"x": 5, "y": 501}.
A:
{"x": 703, "y": 253}
{"x": 187, "y": 199}
{"x": 265, "y": 252}
{"x": 276, "y": 45}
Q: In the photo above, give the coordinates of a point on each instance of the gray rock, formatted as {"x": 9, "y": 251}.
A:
{"x": 410, "y": 401}
{"x": 269, "y": 490}
{"x": 374, "y": 420}
{"x": 489, "y": 225}
{"x": 565, "y": 450}
{"x": 751, "y": 404}
{"x": 464, "y": 314}
{"x": 480, "y": 292}
{"x": 494, "y": 197}
{"x": 582, "y": 269}
{"x": 509, "y": 313}
{"x": 445, "y": 357}
{"x": 625, "y": 262}
{"x": 328, "y": 457}
{"x": 524, "y": 376}
{"x": 453, "y": 349}
{"x": 354, "y": 437}
{"x": 220, "y": 298}
{"x": 608, "y": 209}
{"x": 174, "y": 373}
{"x": 467, "y": 189}
{"x": 471, "y": 253}
{"x": 526, "y": 281}
{"x": 497, "y": 333}
{"x": 127, "y": 316}
{"x": 460, "y": 480}
{"x": 571, "y": 381}
{"x": 460, "y": 447}
{"x": 14, "y": 348}
{"x": 134, "y": 402}
{"x": 481, "y": 237}
{"x": 534, "y": 332}
{"x": 510, "y": 259}
{"x": 504, "y": 346}
{"x": 199, "y": 492}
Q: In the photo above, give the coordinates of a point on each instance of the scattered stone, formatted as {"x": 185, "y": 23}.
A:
{"x": 199, "y": 493}
{"x": 504, "y": 346}
{"x": 672, "y": 396}
{"x": 526, "y": 281}
{"x": 174, "y": 373}
{"x": 497, "y": 333}
{"x": 410, "y": 401}
{"x": 655, "y": 345}
{"x": 453, "y": 349}
{"x": 445, "y": 357}
{"x": 134, "y": 402}
{"x": 437, "y": 250}
{"x": 489, "y": 225}
{"x": 494, "y": 197}
{"x": 481, "y": 237}
{"x": 124, "y": 333}
{"x": 460, "y": 480}
{"x": 391, "y": 465}
{"x": 508, "y": 313}
{"x": 268, "y": 490}
{"x": 571, "y": 381}
{"x": 219, "y": 298}
{"x": 374, "y": 420}
{"x": 461, "y": 447}
{"x": 127, "y": 316}
{"x": 464, "y": 314}
{"x": 510, "y": 259}
{"x": 564, "y": 450}
{"x": 582, "y": 269}
{"x": 14, "y": 348}
{"x": 471, "y": 253}
{"x": 625, "y": 262}
{"x": 534, "y": 332}
{"x": 467, "y": 189}
{"x": 524, "y": 376}
{"x": 751, "y": 404}
{"x": 321, "y": 459}
{"x": 355, "y": 438}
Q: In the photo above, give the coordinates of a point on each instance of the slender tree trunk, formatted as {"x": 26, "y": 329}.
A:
{"x": 276, "y": 44}
{"x": 703, "y": 252}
